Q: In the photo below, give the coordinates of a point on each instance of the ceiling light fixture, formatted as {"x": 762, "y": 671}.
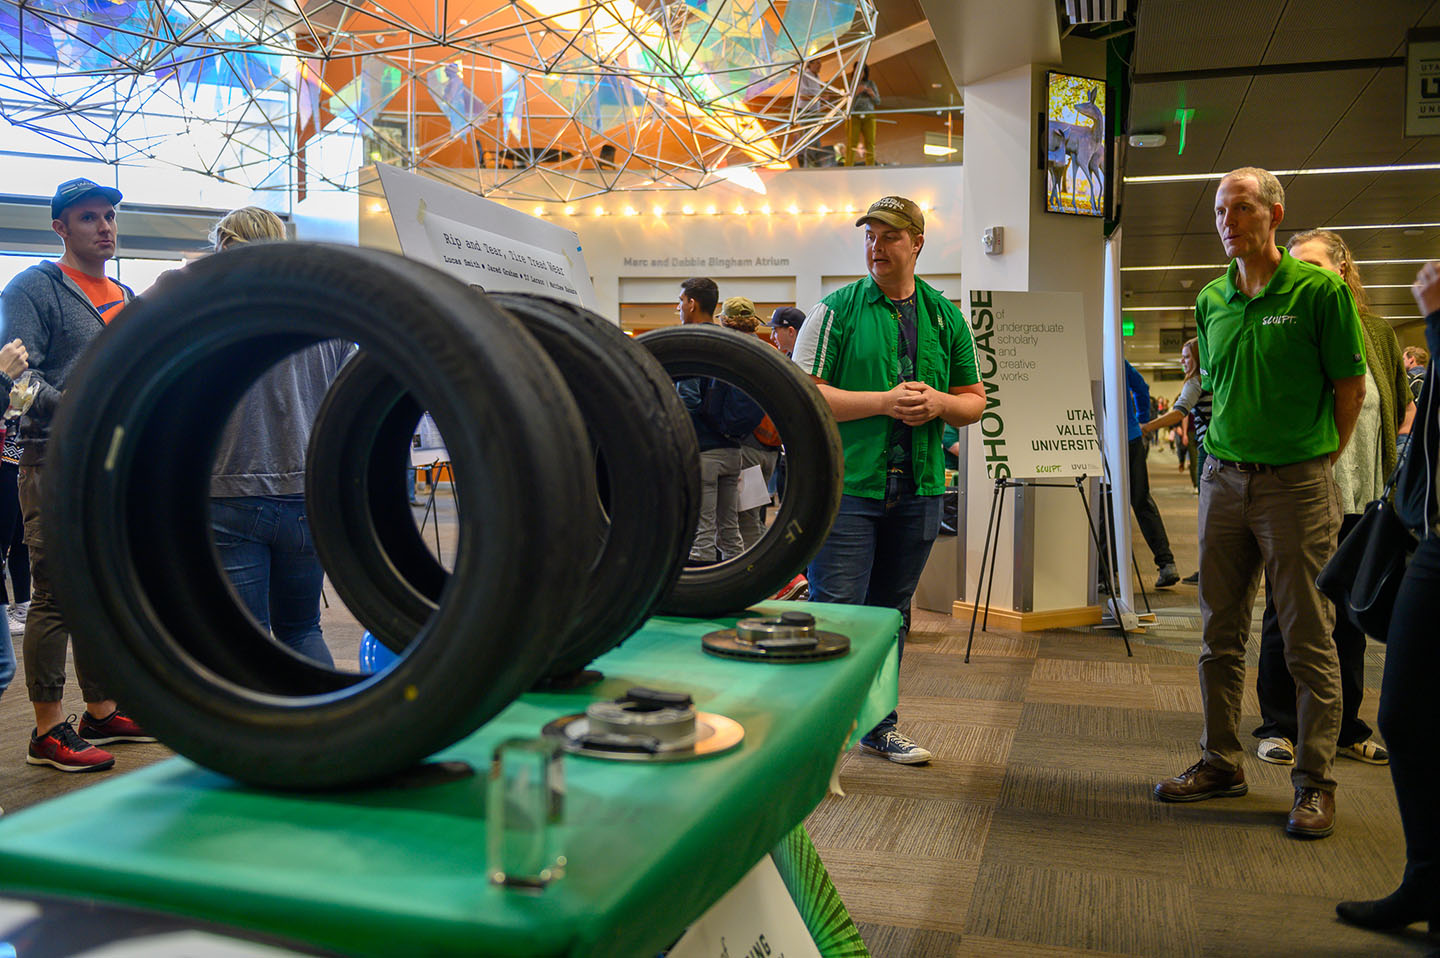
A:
{"x": 1151, "y": 269}
{"x": 1386, "y": 226}
{"x": 1199, "y": 177}
{"x": 1358, "y": 262}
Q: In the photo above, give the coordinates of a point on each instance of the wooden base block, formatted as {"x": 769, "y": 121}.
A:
{"x": 1033, "y": 621}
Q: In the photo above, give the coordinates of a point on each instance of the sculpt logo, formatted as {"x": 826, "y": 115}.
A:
{"x": 1281, "y": 320}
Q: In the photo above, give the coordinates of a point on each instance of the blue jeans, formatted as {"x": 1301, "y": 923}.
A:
{"x": 875, "y": 553}
{"x": 266, "y": 550}
{"x": 7, "y": 651}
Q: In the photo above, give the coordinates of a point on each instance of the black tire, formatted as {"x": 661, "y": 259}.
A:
{"x": 358, "y": 509}
{"x": 647, "y": 467}
{"x": 814, "y": 477}
{"x": 135, "y": 569}
{"x": 649, "y": 464}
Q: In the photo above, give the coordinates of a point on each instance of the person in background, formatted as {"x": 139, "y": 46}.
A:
{"x": 862, "y": 119}
{"x": 56, "y": 309}
{"x": 1409, "y": 707}
{"x": 1416, "y": 359}
{"x": 811, "y": 96}
{"x": 1360, "y": 475}
{"x": 15, "y": 553}
{"x": 950, "y": 504}
{"x": 785, "y": 325}
{"x": 761, "y": 447}
{"x": 1147, "y": 514}
{"x": 257, "y": 485}
{"x": 895, "y": 361}
{"x": 1280, "y": 346}
{"x": 719, "y": 412}
{"x": 1189, "y": 399}
{"x": 13, "y": 359}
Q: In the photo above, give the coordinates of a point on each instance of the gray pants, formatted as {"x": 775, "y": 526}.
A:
{"x": 43, "y": 646}
{"x": 752, "y": 521}
{"x": 1284, "y": 519}
{"x": 719, "y": 506}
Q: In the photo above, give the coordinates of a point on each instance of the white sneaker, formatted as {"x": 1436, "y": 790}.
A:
{"x": 17, "y": 615}
{"x": 1276, "y": 751}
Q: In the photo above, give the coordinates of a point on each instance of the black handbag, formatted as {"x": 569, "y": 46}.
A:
{"x": 1363, "y": 577}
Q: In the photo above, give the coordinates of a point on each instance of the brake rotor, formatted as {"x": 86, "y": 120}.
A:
{"x": 788, "y": 637}
{"x": 646, "y": 725}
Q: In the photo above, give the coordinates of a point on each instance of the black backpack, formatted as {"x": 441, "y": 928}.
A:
{"x": 729, "y": 411}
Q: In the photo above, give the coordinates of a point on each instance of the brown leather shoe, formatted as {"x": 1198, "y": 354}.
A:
{"x": 1200, "y": 781}
{"x": 1313, "y": 815}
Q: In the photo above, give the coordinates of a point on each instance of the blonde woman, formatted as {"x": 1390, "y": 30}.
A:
{"x": 257, "y": 487}
{"x": 1360, "y": 475}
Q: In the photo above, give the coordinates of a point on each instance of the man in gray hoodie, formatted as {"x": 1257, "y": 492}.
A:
{"x": 56, "y": 309}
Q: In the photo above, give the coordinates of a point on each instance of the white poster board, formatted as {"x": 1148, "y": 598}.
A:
{"x": 484, "y": 243}
{"x": 1039, "y": 419}
{"x": 1422, "y": 84}
{"x": 753, "y": 492}
{"x": 756, "y": 917}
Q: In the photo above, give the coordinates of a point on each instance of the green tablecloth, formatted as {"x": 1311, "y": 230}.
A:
{"x": 401, "y": 871}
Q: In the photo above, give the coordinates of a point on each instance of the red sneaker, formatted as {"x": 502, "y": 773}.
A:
{"x": 119, "y": 727}
{"x": 796, "y": 588}
{"x": 61, "y": 748}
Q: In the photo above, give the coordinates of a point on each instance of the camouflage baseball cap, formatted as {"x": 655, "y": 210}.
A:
{"x": 739, "y": 313}
{"x": 896, "y": 211}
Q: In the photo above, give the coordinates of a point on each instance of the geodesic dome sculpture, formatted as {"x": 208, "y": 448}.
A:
{"x": 543, "y": 99}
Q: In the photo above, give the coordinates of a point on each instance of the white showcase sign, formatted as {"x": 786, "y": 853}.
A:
{"x": 484, "y": 243}
{"x": 1039, "y": 420}
{"x": 756, "y": 917}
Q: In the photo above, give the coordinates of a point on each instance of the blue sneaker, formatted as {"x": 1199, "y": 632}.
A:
{"x": 896, "y": 747}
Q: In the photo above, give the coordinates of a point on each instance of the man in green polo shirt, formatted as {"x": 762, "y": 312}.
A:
{"x": 894, "y": 359}
{"x": 1280, "y": 348}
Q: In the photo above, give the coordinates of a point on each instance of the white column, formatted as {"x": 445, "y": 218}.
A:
{"x": 1043, "y": 557}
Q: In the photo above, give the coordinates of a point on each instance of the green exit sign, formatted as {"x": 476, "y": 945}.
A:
{"x": 1127, "y": 327}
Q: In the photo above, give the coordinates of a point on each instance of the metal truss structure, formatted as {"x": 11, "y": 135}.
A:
{"x": 551, "y": 100}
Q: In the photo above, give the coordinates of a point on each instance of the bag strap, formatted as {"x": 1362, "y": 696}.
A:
{"x": 1399, "y": 466}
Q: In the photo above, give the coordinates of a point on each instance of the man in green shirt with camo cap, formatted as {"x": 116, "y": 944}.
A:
{"x": 1280, "y": 348}
{"x": 894, "y": 359}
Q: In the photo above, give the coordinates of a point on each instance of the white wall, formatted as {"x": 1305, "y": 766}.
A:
{"x": 782, "y": 256}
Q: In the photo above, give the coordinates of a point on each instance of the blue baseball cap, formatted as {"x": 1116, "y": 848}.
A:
{"x": 72, "y": 191}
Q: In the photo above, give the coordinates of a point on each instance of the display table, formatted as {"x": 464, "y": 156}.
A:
{"x": 401, "y": 870}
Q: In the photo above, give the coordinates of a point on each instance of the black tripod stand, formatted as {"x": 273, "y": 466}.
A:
{"x": 992, "y": 546}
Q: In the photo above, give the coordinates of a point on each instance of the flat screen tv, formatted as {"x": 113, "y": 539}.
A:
{"x": 1077, "y": 144}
